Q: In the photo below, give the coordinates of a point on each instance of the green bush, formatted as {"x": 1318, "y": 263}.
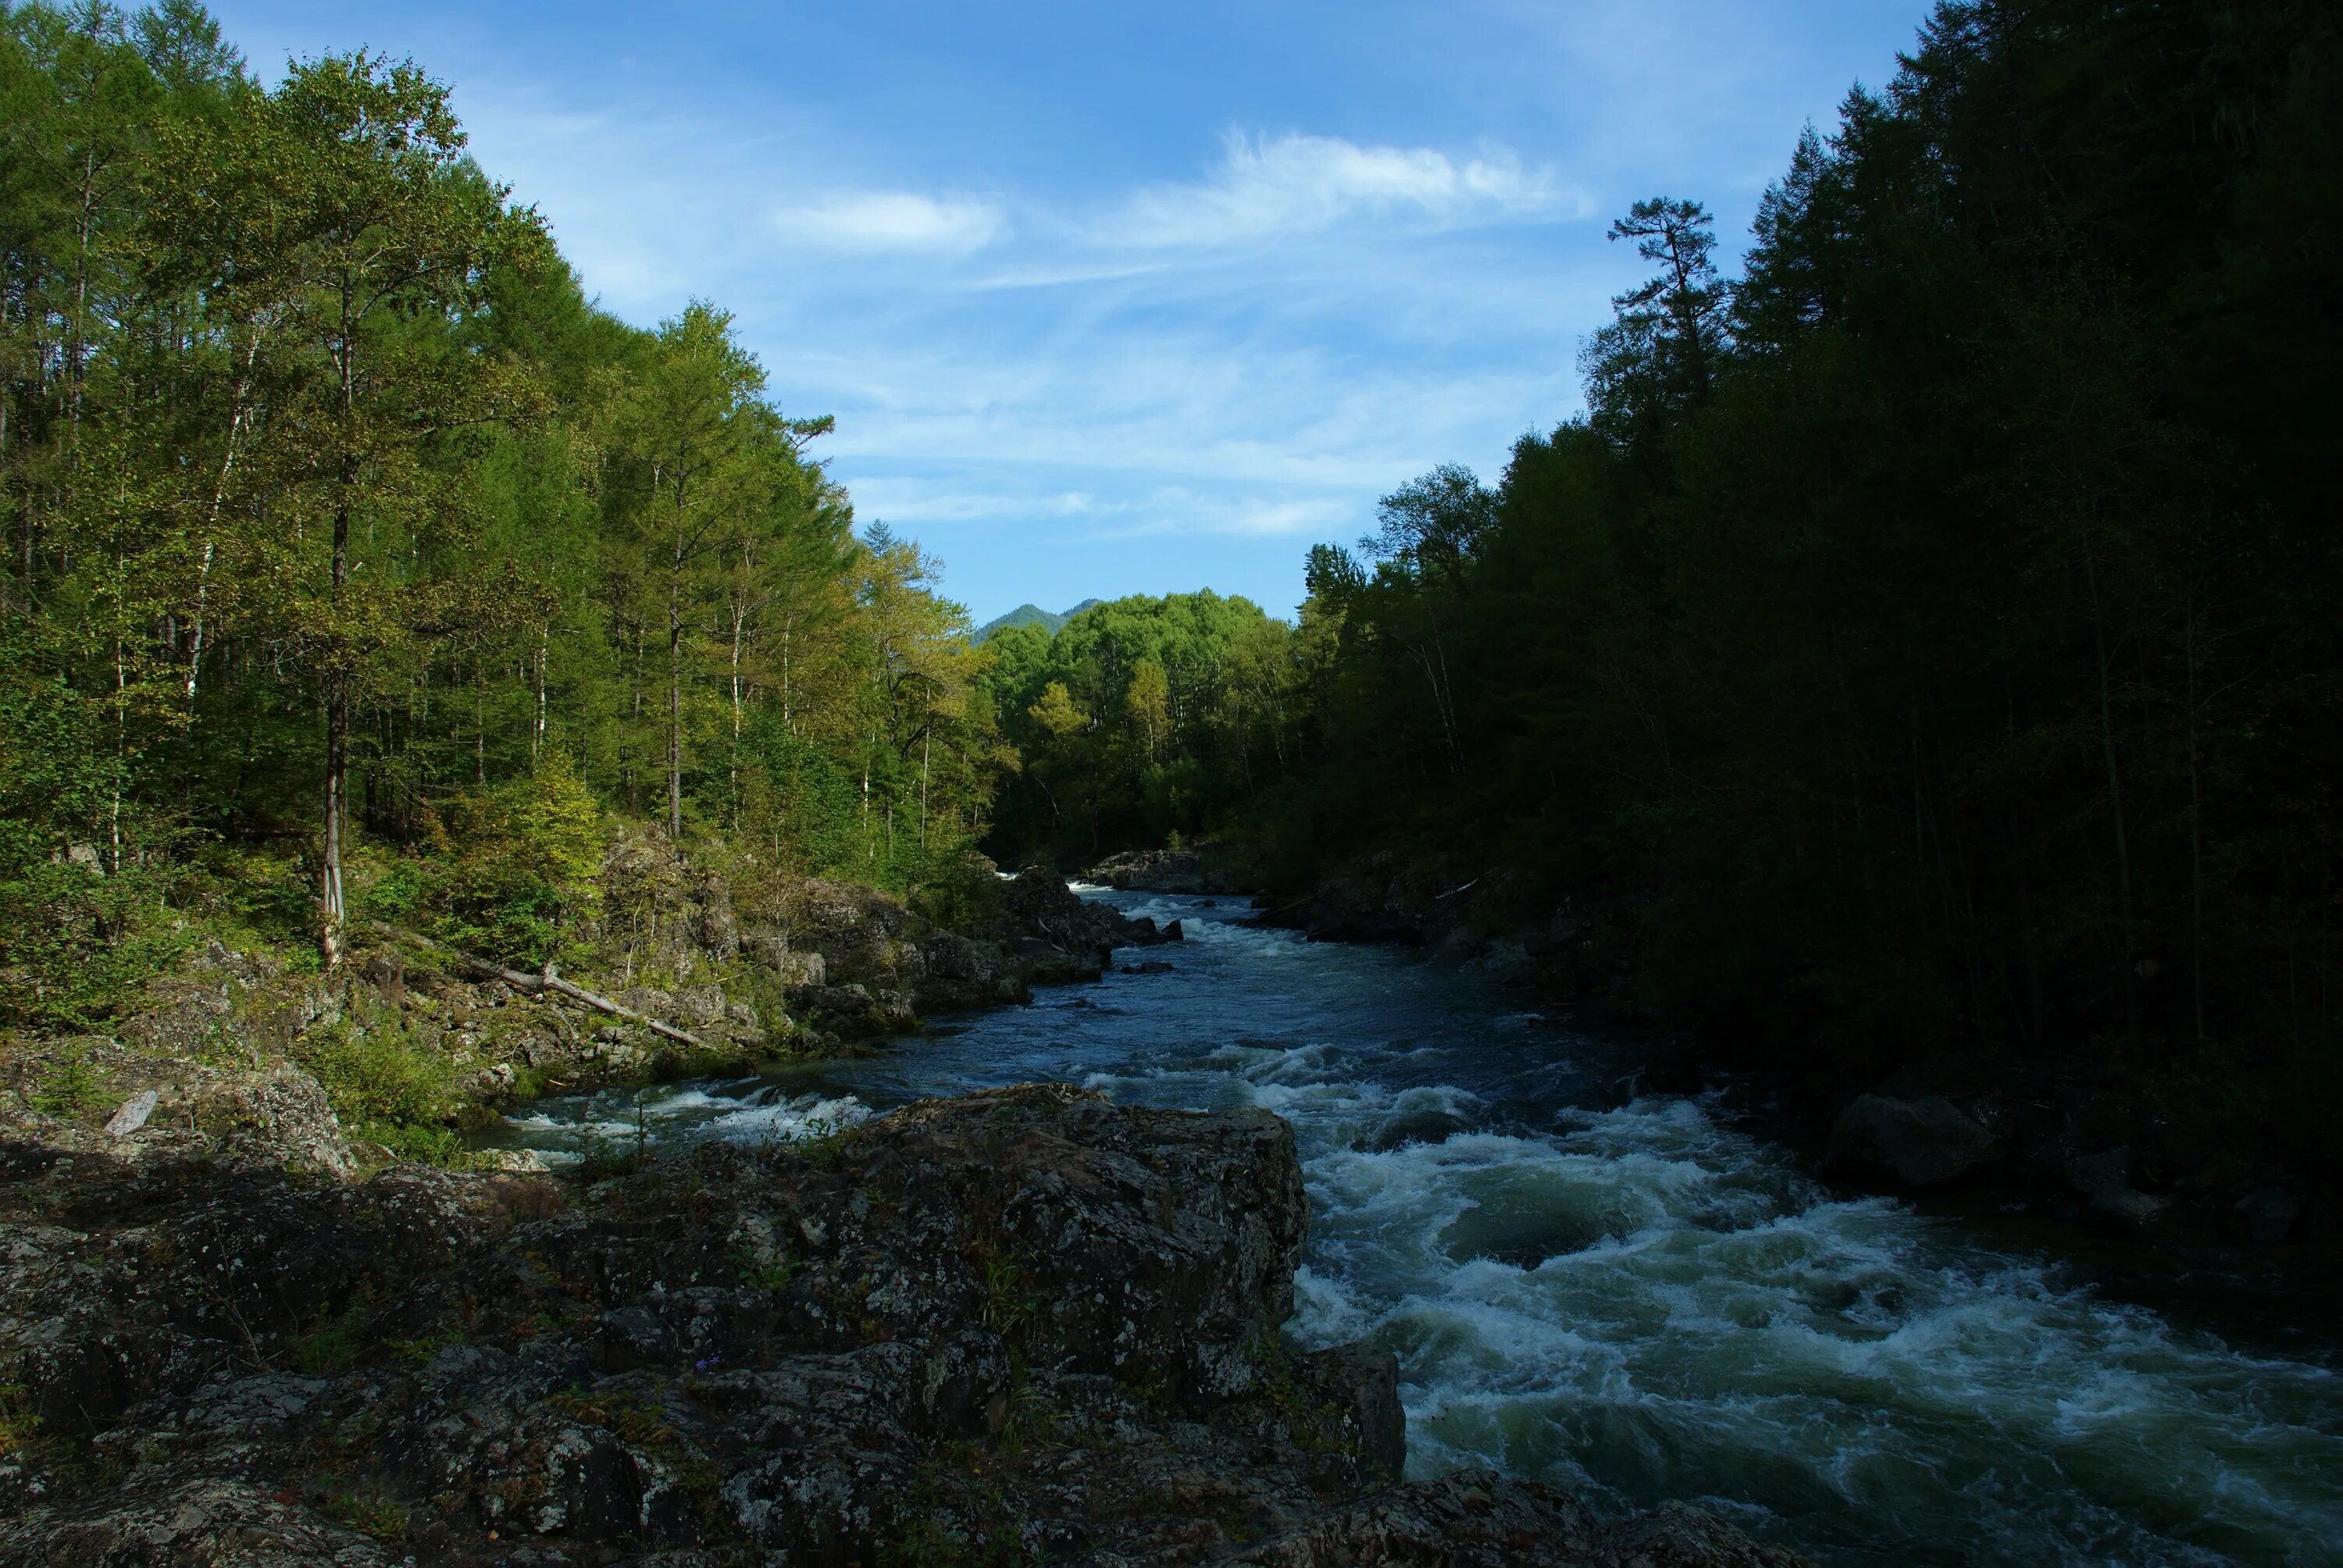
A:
{"x": 76, "y": 945}
{"x": 70, "y": 1087}
{"x": 514, "y": 874}
{"x": 385, "y": 1087}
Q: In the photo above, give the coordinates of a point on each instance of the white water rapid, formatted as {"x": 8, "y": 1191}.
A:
{"x": 1635, "y": 1300}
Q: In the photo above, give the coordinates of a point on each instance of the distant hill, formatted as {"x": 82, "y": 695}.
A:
{"x": 1031, "y": 615}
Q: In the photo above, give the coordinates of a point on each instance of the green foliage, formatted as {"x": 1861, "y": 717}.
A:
{"x": 1007, "y": 1298}
{"x": 371, "y": 1513}
{"x": 447, "y": 545}
{"x": 20, "y": 1423}
{"x": 1926, "y": 643}
{"x": 1141, "y": 719}
{"x": 75, "y": 943}
{"x": 334, "y": 1342}
{"x": 809, "y": 797}
{"x": 774, "y": 1276}
{"x": 71, "y": 1088}
{"x": 517, "y": 874}
{"x": 385, "y": 1086}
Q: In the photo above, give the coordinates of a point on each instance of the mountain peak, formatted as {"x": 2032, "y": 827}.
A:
{"x": 1031, "y": 615}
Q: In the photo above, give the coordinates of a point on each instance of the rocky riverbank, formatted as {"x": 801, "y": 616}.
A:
{"x": 1208, "y": 868}
{"x": 1026, "y": 1325}
{"x": 410, "y": 1040}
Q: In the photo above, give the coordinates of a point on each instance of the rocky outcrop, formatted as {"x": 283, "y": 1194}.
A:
{"x": 1206, "y": 870}
{"x": 858, "y": 964}
{"x": 1038, "y": 906}
{"x": 1476, "y": 1519}
{"x": 1382, "y": 899}
{"x": 1028, "y": 1324}
{"x": 1910, "y": 1143}
{"x": 154, "y": 1111}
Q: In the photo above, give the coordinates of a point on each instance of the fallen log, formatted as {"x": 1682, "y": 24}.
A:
{"x": 548, "y": 979}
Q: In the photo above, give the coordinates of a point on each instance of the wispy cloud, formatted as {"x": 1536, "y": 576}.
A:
{"x": 1177, "y": 509}
{"x": 895, "y": 221}
{"x": 1296, "y": 184}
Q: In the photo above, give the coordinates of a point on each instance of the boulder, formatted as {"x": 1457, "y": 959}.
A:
{"x": 864, "y": 938}
{"x": 853, "y": 1011}
{"x": 1152, "y": 870}
{"x": 1186, "y": 872}
{"x": 133, "y": 1114}
{"x": 2104, "y": 1181}
{"x": 2268, "y": 1215}
{"x": 963, "y": 974}
{"x": 278, "y": 1118}
{"x": 1911, "y": 1143}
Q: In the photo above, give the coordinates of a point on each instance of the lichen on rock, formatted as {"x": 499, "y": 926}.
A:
{"x": 1028, "y": 1324}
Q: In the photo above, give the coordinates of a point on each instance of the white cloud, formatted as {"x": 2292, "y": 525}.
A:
{"x": 1298, "y": 184}
{"x": 903, "y": 499}
{"x": 1177, "y": 509}
{"x": 895, "y": 221}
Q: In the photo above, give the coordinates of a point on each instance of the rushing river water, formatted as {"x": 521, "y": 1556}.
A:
{"x": 1635, "y": 1300}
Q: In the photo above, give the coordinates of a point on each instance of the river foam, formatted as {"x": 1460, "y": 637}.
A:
{"x": 1639, "y": 1301}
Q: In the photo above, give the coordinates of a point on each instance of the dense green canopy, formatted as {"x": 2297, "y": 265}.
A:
{"x": 1931, "y": 632}
{"x": 1140, "y": 718}
{"x": 345, "y": 539}
{"x": 1928, "y": 638}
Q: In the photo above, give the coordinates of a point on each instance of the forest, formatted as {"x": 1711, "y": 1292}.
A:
{"x": 358, "y": 565}
{"x": 1928, "y": 634}
{"x": 1924, "y": 646}
{"x": 1925, "y": 642}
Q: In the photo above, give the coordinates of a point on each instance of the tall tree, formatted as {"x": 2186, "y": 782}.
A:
{"x": 389, "y": 229}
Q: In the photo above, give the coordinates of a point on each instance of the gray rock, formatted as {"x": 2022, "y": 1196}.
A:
{"x": 517, "y": 1161}
{"x": 161, "y": 1517}
{"x": 1152, "y": 870}
{"x": 853, "y": 1011}
{"x": 132, "y": 1115}
{"x": 2269, "y": 1213}
{"x": 1478, "y": 1519}
{"x": 1913, "y": 1143}
{"x": 278, "y": 1118}
{"x": 2105, "y": 1180}
{"x": 1363, "y": 1382}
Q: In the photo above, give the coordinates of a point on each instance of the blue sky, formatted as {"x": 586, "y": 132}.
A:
{"x": 1111, "y": 299}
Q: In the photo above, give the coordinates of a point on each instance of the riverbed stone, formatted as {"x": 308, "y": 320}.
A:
{"x": 2268, "y": 1215}
{"x": 1912, "y": 1143}
{"x": 2104, "y": 1179}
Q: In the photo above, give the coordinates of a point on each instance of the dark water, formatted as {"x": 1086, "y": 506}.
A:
{"x": 1637, "y": 1301}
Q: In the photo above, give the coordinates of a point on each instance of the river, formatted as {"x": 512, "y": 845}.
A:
{"x": 1632, "y": 1298}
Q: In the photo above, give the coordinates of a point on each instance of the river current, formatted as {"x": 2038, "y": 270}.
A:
{"x": 1624, "y": 1294}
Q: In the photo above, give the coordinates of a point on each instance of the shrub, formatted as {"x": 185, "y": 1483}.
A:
{"x": 70, "y": 1087}
{"x": 74, "y": 945}
{"x": 516, "y": 870}
{"x": 386, "y": 1088}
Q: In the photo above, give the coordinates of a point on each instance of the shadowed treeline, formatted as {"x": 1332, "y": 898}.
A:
{"x": 1930, "y": 632}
